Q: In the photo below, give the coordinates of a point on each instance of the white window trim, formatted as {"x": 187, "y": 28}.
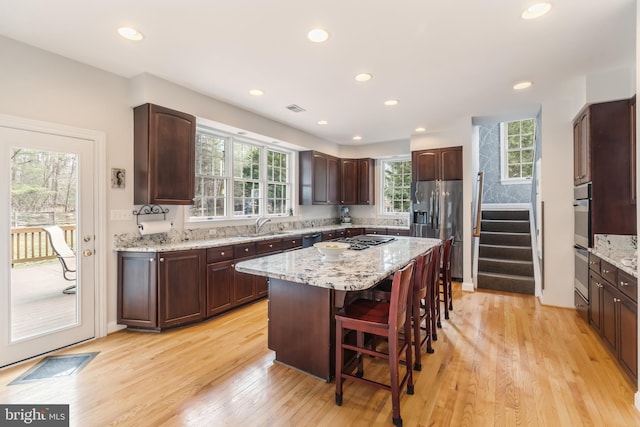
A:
{"x": 504, "y": 179}
{"x": 264, "y": 146}
{"x": 380, "y": 210}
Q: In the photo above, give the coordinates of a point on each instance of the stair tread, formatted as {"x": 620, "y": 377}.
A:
{"x": 488, "y": 245}
{"x": 506, "y": 276}
{"x": 506, "y": 220}
{"x": 510, "y": 261}
{"x": 515, "y": 233}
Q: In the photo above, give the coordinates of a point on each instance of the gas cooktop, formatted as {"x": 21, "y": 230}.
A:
{"x": 359, "y": 243}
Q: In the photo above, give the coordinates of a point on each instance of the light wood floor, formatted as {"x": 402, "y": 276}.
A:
{"x": 501, "y": 360}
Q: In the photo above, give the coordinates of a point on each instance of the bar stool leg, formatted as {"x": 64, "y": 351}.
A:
{"x": 339, "y": 361}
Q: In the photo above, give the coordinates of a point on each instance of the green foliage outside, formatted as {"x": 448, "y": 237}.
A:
{"x": 396, "y": 186}
{"x": 520, "y": 148}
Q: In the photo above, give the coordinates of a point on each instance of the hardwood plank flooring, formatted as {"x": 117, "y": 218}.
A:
{"x": 500, "y": 360}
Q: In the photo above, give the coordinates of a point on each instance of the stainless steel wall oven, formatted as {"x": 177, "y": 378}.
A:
{"x": 582, "y": 239}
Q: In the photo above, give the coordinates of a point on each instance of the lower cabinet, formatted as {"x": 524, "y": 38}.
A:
{"x": 161, "y": 290}
{"x": 219, "y": 280}
{"x": 244, "y": 284}
{"x": 613, "y": 314}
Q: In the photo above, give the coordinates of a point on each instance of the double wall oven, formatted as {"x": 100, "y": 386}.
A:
{"x": 582, "y": 237}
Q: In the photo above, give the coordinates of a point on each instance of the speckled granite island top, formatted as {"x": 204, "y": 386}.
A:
{"x": 358, "y": 270}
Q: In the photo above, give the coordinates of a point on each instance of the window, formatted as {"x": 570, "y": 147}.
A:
{"x": 396, "y": 184}
{"x": 234, "y": 172}
{"x": 517, "y": 142}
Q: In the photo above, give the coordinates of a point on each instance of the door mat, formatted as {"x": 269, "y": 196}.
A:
{"x": 56, "y": 366}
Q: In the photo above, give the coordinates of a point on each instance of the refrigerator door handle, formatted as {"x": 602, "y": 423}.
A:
{"x": 437, "y": 219}
{"x": 433, "y": 208}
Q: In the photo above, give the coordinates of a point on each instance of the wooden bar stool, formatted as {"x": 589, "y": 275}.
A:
{"x": 421, "y": 314}
{"x": 433, "y": 302}
{"x": 384, "y": 319}
{"x": 445, "y": 277}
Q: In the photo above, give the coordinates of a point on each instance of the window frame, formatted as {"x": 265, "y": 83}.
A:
{"x": 504, "y": 149}
{"x": 381, "y": 177}
{"x": 263, "y": 180}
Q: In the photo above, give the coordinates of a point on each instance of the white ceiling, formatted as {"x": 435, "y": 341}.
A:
{"x": 441, "y": 59}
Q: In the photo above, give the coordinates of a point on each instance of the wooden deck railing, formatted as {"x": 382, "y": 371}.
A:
{"x": 30, "y": 244}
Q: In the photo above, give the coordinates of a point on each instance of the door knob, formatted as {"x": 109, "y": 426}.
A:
{"x": 86, "y": 238}
{"x": 87, "y": 252}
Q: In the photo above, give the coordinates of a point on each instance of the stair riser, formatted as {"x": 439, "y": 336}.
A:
{"x": 496, "y": 266}
{"x": 521, "y": 286}
{"x": 523, "y": 215}
{"x": 506, "y": 226}
{"x": 522, "y": 253}
{"x": 505, "y": 239}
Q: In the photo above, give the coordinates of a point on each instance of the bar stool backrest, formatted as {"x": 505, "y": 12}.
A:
{"x": 399, "y": 293}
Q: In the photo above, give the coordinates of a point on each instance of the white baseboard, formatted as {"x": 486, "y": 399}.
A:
{"x": 468, "y": 287}
{"x": 636, "y": 400}
{"x": 114, "y": 327}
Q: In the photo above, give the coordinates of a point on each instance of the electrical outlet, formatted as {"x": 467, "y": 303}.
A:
{"x": 121, "y": 215}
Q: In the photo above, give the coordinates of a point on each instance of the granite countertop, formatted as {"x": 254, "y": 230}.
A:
{"x": 357, "y": 270}
{"x": 223, "y": 241}
{"x": 614, "y": 257}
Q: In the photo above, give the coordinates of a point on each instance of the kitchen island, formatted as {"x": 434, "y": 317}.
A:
{"x": 305, "y": 291}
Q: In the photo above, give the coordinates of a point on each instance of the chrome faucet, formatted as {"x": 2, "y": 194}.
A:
{"x": 260, "y": 222}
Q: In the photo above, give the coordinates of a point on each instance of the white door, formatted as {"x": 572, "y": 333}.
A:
{"x": 48, "y": 179}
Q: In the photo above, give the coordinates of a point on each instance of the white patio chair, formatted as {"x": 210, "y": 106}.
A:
{"x": 65, "y": 255}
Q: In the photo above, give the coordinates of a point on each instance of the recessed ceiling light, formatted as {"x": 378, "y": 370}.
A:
{"x": 363, "y": 77}
{"x": 256, "y": 92}
{"x": 420, "y": 129}
{"x": 536, "y": 10}
{"x": 130, "y": 33}
{"x": 318, "y": 35}
{"x": 522, "y": 85}
{"x": 357, "y": 138}
{"x": 322, "y": 122}
{"x": 391, "y": 102}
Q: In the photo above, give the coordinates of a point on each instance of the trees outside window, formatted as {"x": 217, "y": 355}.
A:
{"x": 396, "y": 184}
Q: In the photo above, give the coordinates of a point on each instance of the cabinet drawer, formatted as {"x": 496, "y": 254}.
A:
{"x": 221, "y": 253}
{"x": 268, "y": 246}
{"x": 582, "y": 307}
{"x": 244, "y": 250}
{"x": 393, "y": 232}
{"x": 594, "y": 263}
{"x": 354, "y": 231}
{"x": 292, "y": 242}
{"x": 628, "y": 285}
{"x": 329, "y": 235}
{"x": 609, "y": 272}
{"x": 375, "y": 231}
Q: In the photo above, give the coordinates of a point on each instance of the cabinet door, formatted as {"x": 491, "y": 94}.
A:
{"x": 349, "y": 182}
{"x": 577, "y": 153}
{"x": 181, "y": 278}
{"x": 366, "y": 182}
{"x": 244, "y": 286}
{"x": 350, "y": 232}
{"x": 219, "y": 287}
{"x": 581, "y": 146}
{"x": 609, "y": 324}
{"x": 333, "y": 180}
{"x": 320, "y": 179}
{"x": 632, "y": 152}
{"x": 595, "y": 301}
{"x": 628, "y": 344}
{"x": 164, "y": 156}
{"x": 137, "y": 296}
{"x": 424, "y": 165}
{"x": 451, "y": 163}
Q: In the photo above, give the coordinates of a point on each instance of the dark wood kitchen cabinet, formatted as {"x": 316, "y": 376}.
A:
{"x": 357, "y": 182}
{"x": 219, "y": 280}
{"x": 266, "y": 247}
{"x": 437, "y": 164}
{"x": 164, "y": 156}
{"x": 244, "y": 284}
{"x": 603, "y": 149}
{"x": 613, "y": 313}
{"x": 161, "y": 290}
{"x": 319, "y": 178}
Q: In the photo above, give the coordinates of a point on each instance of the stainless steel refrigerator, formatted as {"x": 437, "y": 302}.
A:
{"x": 436, "y": 211}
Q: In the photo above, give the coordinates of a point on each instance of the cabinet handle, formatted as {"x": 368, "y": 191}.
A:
{"x": 605, "y": 271}
{"x": 246, "y": 249}
{"x": 616, "y": 300}
{"x": 222, "y": 253}
{"x": 592, "y": 263}
{"x": 270, "y": 246}
{"x": 623, "y": 283}
{"x": 233, "y": 265}
{"x": 161, "y": 259}
{"x": 293, "y": 241}
{"x": 151, "y": 259}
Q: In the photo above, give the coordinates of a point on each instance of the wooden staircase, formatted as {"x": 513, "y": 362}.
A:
{"x": 505, "y": 258}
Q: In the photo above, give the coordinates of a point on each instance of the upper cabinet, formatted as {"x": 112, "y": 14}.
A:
{"x": 164, "y": 156}
{"x": 358, "y": 182}
{"x": 604, "y": 154}
{"x": 581, "y": 151}
{"x": 319, "y": 178}
{"x": 437, "y": 164}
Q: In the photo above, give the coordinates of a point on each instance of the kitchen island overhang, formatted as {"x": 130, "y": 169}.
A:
{"x": 305, "y": 292}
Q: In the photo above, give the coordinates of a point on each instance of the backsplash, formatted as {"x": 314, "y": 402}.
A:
{"x": 614, "y": 242}
{"x": 129, "y": 240}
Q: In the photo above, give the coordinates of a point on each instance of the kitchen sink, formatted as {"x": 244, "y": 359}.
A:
{"x": 269, "y": 233}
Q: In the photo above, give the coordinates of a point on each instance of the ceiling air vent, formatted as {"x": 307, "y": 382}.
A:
{"x": 295, "y": 108}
